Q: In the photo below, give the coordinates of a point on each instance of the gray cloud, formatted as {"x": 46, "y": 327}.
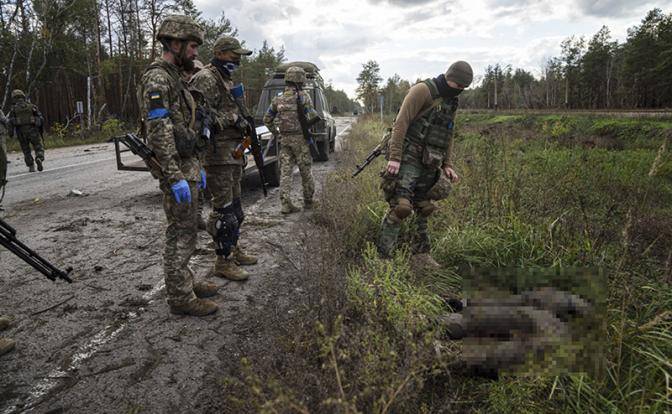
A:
{"x": 421, "y": 14}
{"x": 402, "y": 3}
{"x": 609, "y": 8}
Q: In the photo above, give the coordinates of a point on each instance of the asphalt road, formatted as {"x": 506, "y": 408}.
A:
{"x": 86, "y": 168}
{"x": 107, "y": 342}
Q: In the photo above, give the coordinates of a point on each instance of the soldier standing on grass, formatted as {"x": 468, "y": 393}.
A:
{"x": 225, "y": 171}
{"x": 282, "y": 120}
{"x": 169, "y": 113}
{"x": 419, "y": 167}
{"x": 27, "y": 122}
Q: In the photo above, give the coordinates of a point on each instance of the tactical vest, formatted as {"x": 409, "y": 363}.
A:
{"x": 287, "y": 118}
{"x": 187, "y": 143}
{"x": 428, "y": 137}
{"x": 226, "y": 104}
{"x": 24, "y": 113}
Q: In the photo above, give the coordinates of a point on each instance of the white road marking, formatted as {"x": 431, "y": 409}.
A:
{"x": 63, "y": 167}
{"x": 83, "y": 353}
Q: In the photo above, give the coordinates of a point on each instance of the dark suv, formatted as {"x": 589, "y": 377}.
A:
{"x": 324, "y": 133}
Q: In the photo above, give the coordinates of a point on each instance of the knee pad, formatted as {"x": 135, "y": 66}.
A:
{"x": 426, "y": 208}
{"x": 238, "y": 210}
{"x": 403, "y": 209}
{"x": 226, "y": 231}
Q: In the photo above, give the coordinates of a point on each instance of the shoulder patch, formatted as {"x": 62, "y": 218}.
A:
{"x": 156, "y": 107}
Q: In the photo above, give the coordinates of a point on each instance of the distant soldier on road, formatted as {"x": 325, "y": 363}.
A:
{"x": 27, "y": 122}
{"x": 282, "y": 119}
{"x": 224, "y": 171}
{"x": 169, "y": 113}
{"x": 419, "y": 167}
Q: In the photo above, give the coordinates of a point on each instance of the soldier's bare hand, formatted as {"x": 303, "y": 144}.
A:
{"x": 393, "y": 167}
{"x": 452, "y": 175}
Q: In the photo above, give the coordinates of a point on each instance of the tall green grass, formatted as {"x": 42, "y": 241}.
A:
{"x": 530, "y": 200}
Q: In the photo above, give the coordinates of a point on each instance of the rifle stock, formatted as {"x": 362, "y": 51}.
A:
{"x": 8, "y": 240}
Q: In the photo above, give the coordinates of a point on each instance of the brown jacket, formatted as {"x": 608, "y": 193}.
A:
{"x": 417, "y": 100}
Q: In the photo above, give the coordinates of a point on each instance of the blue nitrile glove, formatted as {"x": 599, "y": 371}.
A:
{"x": 181, "y": 192}
{"x": 201, "y": 184}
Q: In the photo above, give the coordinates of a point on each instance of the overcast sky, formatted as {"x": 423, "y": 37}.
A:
{"x": 420, "y": 38}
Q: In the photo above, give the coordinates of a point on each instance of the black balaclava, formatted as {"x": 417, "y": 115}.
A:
{"x": 445, "y": 90}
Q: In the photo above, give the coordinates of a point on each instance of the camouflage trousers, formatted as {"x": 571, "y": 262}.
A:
{"x": 223, "y": 183}
{"x": 412, "y": 183}
{"x": 30, "y": 136}
{"x": 295, "y": 151}
{"x": 181, "y": 236}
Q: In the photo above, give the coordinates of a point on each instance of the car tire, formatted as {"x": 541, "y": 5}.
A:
{"x": 332, "y": 141}
{"x": 322, "y": 151}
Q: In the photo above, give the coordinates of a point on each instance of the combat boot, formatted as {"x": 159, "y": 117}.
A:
{"x": 6, "y": 345}
{"x": 309, "y": 204}
{"x": 39, "y": 164}
{"x": 5, "y": 323}
{"x": 242, "y": 258}
{"x": 197, "y": 307}
{"x": 228, "y": 269}
{"x": 289, "y": 208}
{"x": 424, "y": 262}
{"x": 31, "y": 168}
{"x": 205, "y": 289}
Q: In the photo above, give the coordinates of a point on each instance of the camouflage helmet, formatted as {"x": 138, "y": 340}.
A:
{"x": 180, "y": 27}
{"x": 226, "y": 43}
{"x": 295, "y": 74}
{"x": 440, "y": 189}
{"x": 18, "y": 93}
{"x": 461, "y": 73}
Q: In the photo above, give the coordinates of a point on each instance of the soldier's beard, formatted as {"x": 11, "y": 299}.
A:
{"x": 188, "y": 64}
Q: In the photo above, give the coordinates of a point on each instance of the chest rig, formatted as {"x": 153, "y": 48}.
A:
{"x": 428, "y": 137}
{"x": 182, "y": 113}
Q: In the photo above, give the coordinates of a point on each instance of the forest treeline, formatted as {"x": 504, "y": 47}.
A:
{"x": 595, "y": 73}
{"x": 94, "y": 51}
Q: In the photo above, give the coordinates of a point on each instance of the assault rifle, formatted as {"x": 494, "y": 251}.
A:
{"x": 305, "y": 124}
{"x": 380, "y": 148}
{"x": 139, "y": 148}
{"x": 375, "y": 153}
{"x": 9, "y": 240}
{"x": 250, "y": 138}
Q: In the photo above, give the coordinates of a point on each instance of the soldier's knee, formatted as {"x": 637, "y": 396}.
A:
{"x": 401, "y": 210}
{"x": 426, "y": 208}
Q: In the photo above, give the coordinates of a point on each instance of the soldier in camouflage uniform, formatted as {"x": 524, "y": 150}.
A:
{"x": 419, "y": 157}
{"x": 169, "y": 113}
{"x": 203, "y": 194}
{"x": 282, "y": 120}
{"x": 225, "y": 172}
{"x": 27, "y": 122}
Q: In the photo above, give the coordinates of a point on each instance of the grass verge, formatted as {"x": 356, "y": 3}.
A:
{"x": 529, "y": 199}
